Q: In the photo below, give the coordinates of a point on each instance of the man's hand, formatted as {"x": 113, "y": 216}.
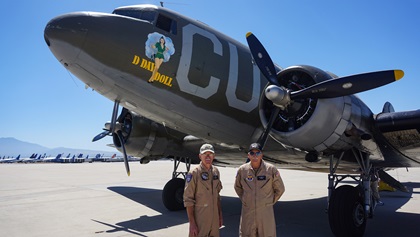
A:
{"x": 193, "y": 230}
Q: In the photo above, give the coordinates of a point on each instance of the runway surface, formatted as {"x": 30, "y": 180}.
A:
{"x": 98, "y": 199}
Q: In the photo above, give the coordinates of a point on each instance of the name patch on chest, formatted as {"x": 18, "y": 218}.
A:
{"x": 261, "y": 177}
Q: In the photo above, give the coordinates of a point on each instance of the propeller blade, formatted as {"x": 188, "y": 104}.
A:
{"x": 100, "y": 136}
{"x": 262, "y": 140}
{"x": 120, "y": 137}
{"x": 348, "y": 85}
{"x": 261, "y": 58}
{"x": 114, "y": 115}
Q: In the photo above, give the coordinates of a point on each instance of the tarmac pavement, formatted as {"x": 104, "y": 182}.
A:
{"x": 98, "y": 199}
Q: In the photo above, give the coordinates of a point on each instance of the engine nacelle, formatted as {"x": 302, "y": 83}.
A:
{"x": 316, "y": 125}
{"x": 149, "y": 140}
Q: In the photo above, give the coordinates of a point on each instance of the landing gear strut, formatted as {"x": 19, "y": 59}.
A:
{"x": 172, "y": 194}
{"x": 350, "y": 206}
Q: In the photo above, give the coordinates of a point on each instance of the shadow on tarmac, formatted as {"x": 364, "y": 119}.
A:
{"x": 293, "y": 218}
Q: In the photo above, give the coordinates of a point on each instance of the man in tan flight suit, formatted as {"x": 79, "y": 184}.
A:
{"x": 259, "y": 186}
{"x": 201, "y": 196}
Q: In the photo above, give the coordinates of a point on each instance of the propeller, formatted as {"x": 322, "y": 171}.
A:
{"x": 336, "y": 87}
{"x": 127, "y": 167}
{"x": 262, "y": 59}
{"x": 263, "y": 138}
{"x": 348, "y": 85}
{"x": 115, "y": 128}
{"x": 123, "y": 114}
{"x": 109, "y": 132}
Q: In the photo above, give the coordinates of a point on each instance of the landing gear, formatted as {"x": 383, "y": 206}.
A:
{"x": 350, "y": 206}
{"x": 346, "y": 214}
{"x": 172, "y": 194}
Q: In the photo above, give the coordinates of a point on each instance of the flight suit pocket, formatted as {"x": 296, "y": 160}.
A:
{"x": 205, "y": 185}
{"x": 247, "y": 195}
{"x": 267, "y": 187}
{"x": 218, "y": 186}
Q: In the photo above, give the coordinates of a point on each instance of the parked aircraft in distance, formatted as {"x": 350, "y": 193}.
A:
{"x": 182, "y": 83}
{"x": 10, "y": 160}
{"x": 53, "y": 159}
{"x": 31, "y": 159}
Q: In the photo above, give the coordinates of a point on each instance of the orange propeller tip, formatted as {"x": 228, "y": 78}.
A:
{"x": 398, "y": 74}
{"x": 248, "y": 34}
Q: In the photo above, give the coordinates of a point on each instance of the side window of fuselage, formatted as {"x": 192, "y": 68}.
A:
{"x": 167, "y": 24}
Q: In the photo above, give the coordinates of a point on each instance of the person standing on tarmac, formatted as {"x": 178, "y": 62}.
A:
{"x": 259, "y": 186}
{"x": 202, "y": 198}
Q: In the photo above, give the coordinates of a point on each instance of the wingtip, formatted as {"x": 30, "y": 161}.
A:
{"x": 398, "y": 74}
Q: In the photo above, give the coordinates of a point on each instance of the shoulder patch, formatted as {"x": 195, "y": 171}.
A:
{"x": 188, "y": 177}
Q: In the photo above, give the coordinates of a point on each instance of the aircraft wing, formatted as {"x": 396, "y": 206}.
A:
{"x": 398, "y": 137}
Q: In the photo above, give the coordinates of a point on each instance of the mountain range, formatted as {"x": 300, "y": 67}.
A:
{"x": 10, "y": 146}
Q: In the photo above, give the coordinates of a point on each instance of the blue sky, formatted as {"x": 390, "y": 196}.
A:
{"x": 43, "y": 103}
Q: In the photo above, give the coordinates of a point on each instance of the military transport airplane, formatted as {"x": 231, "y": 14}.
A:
{"x": 182, "y": 83}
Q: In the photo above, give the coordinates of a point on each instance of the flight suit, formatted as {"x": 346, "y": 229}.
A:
{"x": 202, "y": 190}
{"x": 258, "y": 190}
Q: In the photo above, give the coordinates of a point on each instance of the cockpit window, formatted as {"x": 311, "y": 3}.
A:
{"x": 135, "y": 13}
{"x": 167, "y": 24}
{"x": 163, "y": 22}
{"x": 148, "y": 16}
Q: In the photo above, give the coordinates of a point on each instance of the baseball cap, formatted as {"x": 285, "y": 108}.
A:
{"x": 255, "y": 146}
{"x": 206, "y": 147}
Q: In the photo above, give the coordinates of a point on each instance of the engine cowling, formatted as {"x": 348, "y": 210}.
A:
{"x": 149, "y": 140}
{"x": 315, "y": 125}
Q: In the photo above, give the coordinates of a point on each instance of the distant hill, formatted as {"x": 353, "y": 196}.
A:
{"x": 10, "y": 146}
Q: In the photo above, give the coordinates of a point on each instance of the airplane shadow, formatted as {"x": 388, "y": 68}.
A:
{"x": 293, "y": 218}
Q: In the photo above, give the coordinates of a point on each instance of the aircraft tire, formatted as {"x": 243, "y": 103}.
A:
{"x": 172, "y": 194}
{"x": 346, "y": 213}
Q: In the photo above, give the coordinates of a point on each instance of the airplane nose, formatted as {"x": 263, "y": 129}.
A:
{"x": 66, "y": 34}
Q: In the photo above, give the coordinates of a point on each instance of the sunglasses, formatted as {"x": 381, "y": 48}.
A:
{"x": 254, "y": 153}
